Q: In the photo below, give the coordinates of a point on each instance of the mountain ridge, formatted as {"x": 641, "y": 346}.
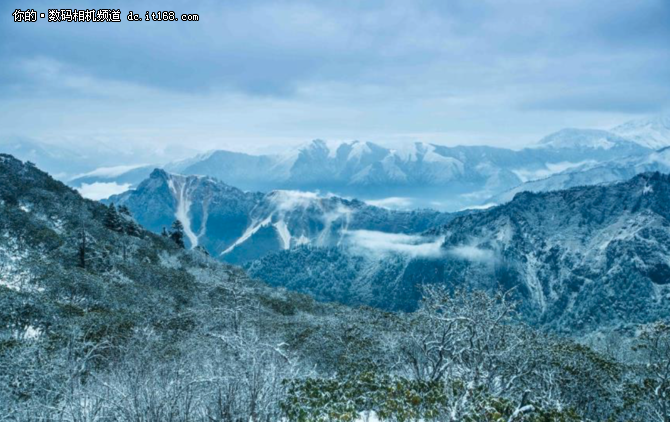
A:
{"x": 239, "y": 226}
{"x": 568, "y": 254}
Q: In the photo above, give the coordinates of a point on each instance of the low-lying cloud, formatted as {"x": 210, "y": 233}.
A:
{"x": 379, "y": 244}
{"x": 98, "y": 190}
{"x": 471, "y": 253}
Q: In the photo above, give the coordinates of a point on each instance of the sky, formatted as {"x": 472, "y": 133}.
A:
{"x": 258, "y": 76}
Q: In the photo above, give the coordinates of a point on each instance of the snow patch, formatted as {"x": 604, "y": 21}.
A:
{"x": 250, "y": 231}
{"x": 179, "y": 188}
{"x": 284, "y": 234}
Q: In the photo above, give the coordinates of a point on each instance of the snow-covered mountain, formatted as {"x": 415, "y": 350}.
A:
{"x": 426, "y": 174}
{"x": 652, "y": 132}
{"x": 238, "y": 226}
{"x": 592, "y": 173}
{"x": 579, "y": 258}
{"x": 422, "y": 174}
{"x": 59, "y": 161}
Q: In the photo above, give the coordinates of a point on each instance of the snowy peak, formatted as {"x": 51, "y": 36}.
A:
{"x": 584, "y": 139}
{"x": 652, "y": 132}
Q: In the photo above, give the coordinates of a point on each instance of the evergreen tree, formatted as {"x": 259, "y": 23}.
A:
{"x": 124, "y": 210}
{"x": 165, "y": 233}
{"x": 177, "y": 233}
{"x": 133, "y": 229}
{"x": 112, "y": 220}
{"x": 202, "y": 250}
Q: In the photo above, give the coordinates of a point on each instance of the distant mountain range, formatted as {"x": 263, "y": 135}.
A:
{"x": 418, "y": 175}
{"x": 239, "y": 226}
{"x": 653, "y": 133}
{"x": 425, "y": 175}
{"x": 594, "y": 173}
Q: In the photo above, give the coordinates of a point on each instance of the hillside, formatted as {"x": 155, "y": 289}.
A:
{"x": 76, "y": 292}
{"x": 103, "y": 320}
{"x": 580, "y": 259}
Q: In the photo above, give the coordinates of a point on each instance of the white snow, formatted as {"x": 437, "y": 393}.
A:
{"x": 31, "y": 333}
{"x": 358, "y": 150}
{"x": 284, "y": 234}
{"x": 550, "y": 169}
{"x": 289, "y": 211}
{"x": 250, "y": 231}
{"x": 651, "y": 132}
{"x": 179, "y": 187}
{"x": 581, "y": 138}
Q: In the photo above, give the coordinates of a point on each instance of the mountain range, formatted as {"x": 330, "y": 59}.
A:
{"x": 418, "y": 175}
{"x": 593, "y": 174}
{"x": 239, "y": 226}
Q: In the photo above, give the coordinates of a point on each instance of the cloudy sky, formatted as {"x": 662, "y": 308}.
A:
{"x": 255, "y": 75}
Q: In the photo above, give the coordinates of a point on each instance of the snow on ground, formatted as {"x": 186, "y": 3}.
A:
{"x": 284, "y": 234}
{"x": 179, "y": 188}
{"x": 251, "y": 230}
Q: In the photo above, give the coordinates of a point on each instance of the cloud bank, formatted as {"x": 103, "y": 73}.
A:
{"x": 380, "y": 244}
{"x": 98, "y": 190}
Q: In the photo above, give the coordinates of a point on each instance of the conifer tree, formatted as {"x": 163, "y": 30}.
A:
{"x": 133, "y": 229}
{"x": 177, "y": 233}
{"x": 112, "y": 220}
{"x": 124, "y": 210}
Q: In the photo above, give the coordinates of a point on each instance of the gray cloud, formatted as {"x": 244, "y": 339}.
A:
{"x": 262, "y": 72}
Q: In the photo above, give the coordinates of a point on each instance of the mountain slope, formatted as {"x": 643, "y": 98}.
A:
{"x": 136, "y": 309}
{"x": 240, "y": 226}
{"x": 579, "y": 259}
